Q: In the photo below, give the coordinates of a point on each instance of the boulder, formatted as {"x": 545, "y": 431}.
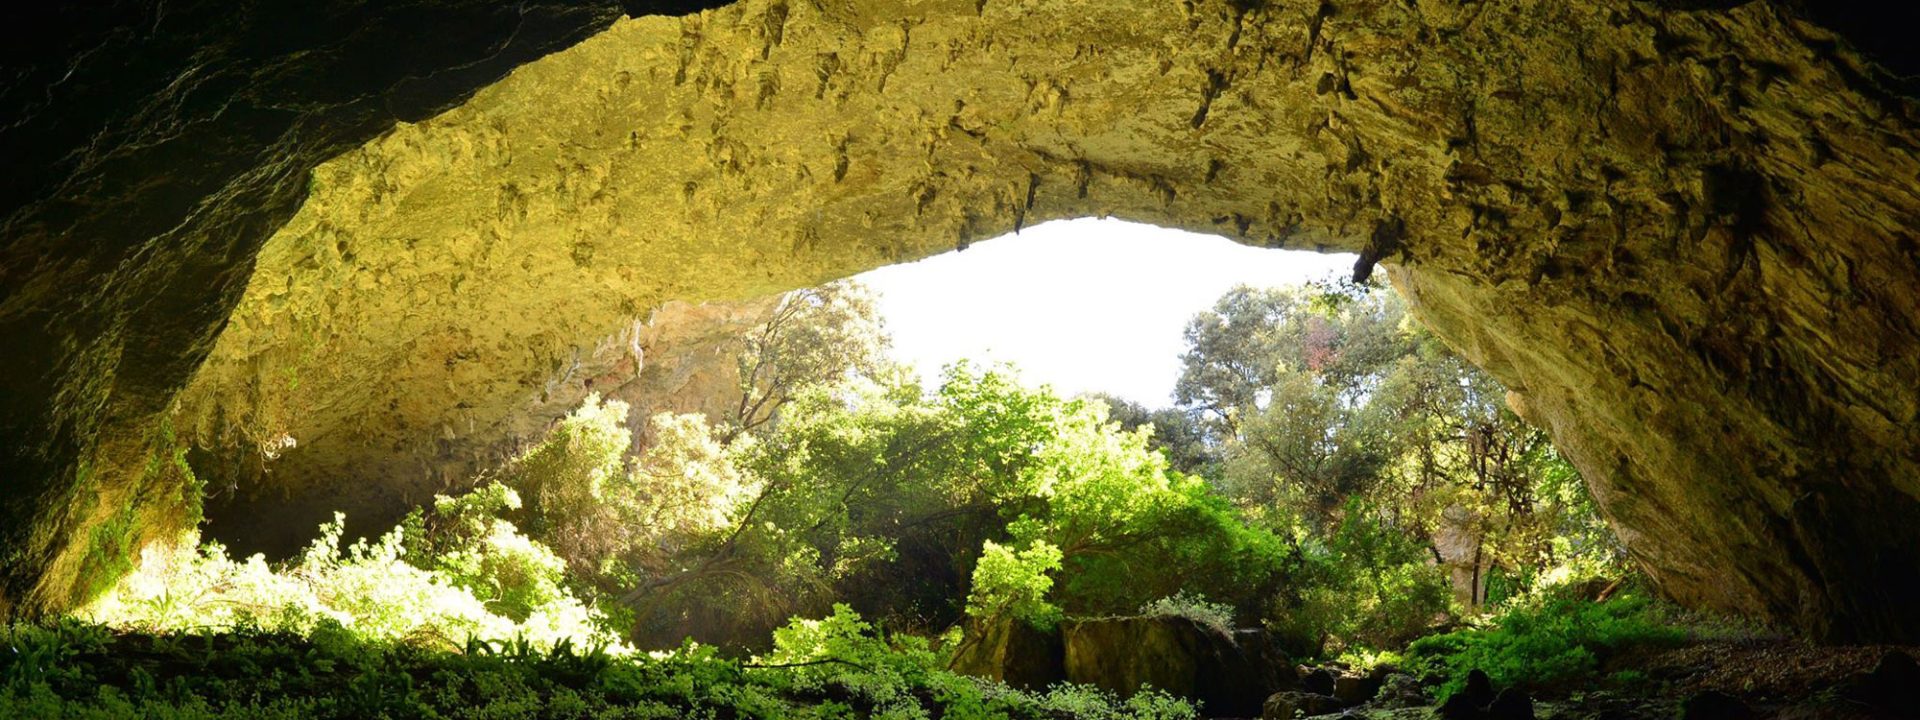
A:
{"x": 1012, "y": 652}
{"x": 1400, "y": 690}
{"x": 1319, "y": 681}
{"x": 1356, "y": 689}
{"x": 1471, "y": 702}
{"x": 1715, "y": 705}
{"x": 1894, "y": 684}
{"x": 1293, "y": 703}
{"x": 1511, "y": 704}
{"x": 1232, "y": 674}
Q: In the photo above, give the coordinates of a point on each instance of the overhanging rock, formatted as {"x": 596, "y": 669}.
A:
{"x": 1682, "y": 236}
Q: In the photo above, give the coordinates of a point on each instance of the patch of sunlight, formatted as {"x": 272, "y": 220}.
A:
{"x": 1088, "y": 305}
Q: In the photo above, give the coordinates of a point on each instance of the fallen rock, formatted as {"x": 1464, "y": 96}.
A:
{"x": 1233, "y": 675}
{"x": 1893, "y": 684}
{"x": 1356, "y": 689}
{"x": 1715, "y": 705}
{"x": 1290, "y": 704}
{"x": 1458, "y": 707}
{"x": 1473, "y": 701}
{"x": 1319, "y": 681}
{"x": 1512, "y": 704}
{"x": 1400, "y": 690}
{"x": 1012, "y": 652}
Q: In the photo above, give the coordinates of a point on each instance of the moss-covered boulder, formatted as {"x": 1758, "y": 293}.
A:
{"x": 1012, "y": 652}
{"x": 1231, "y": 673}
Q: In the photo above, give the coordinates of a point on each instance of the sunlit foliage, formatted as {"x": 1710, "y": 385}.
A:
{"x": 819, "y": 336}
{"x": 886, "y": 497}
{"x": 835, "y": 667}
{"x": 1015, "y": 583}
{"x": 1345, "y": 426}
{"x": 1536, "y": 645}
{"x": 368, "y": 589}
{"x": 1327, "y": 474}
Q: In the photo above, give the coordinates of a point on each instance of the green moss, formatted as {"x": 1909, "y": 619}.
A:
{"x": 166, "y": 497}
{"x": 109, "y": 554}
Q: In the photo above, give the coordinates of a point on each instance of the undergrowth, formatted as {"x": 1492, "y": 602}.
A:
{"x": 836, "y": 667}
{"x": 1539, "y": 646}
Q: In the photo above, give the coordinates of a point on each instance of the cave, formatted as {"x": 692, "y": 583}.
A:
{"x": 361, "y": 235}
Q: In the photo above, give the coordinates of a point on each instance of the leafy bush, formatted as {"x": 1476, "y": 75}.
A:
{"x": 909, "y": 505}
{"x": 1369, "y": 585}
{"x": 834, "y": 667}
{"x": 1014, "y": 584}
{"x": 568, "y": 479}
{"x": 843, "y": 651}
{"x": 367, "y": 589}
{"x": 476, "y": 550}
{"x": 1192, "y": 607}
{"x": 889, "y": 674}
{"x": 1537, "y": 647}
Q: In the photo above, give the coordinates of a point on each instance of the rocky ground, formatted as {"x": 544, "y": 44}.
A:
{"x": 1749, "y": 678}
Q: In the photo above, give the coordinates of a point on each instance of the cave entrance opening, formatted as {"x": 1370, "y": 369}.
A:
{"x": 1084, "y": 305}
{"x": 1281, "y": 398}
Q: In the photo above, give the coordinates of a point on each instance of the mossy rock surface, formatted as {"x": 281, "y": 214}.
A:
{"x": 1231, "y": 674}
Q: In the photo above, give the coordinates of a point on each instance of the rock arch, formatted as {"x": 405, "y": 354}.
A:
{"x": 1684, "y": 237}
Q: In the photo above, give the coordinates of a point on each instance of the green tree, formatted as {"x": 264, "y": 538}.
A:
{"x": 1333, "y": 411}
{"x": 887, "y": 498}
{"x": 819, "y": 336}
{"x": 1177, "y": 432}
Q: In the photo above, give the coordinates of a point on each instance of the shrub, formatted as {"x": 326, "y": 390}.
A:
{"x": 834, "y": 667}
{"x": 473, "y": 548}
{"x": 1369, "y": 585}
{"x": 366, "y": 589}
{"x": 1009, "y": 583}
{"x": 566, "y": 481}
{"x": 1217, "y": 616}
{"x": 1537, "y": 647}
{"x": 891, "y": 675}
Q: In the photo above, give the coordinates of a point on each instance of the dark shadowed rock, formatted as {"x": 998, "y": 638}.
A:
{"x": 1356, "y": 689}
{"x": 1479, "y": 689}
{"x": 1232, "y": 675}
{"x": 1012, "y": 652}
{"x": 1892, "y": 686}
{"x": 1715, "y": 705}
{"x": 1512, "y": 704}
{"x": 1318, "y": 681}
{"x": 1293, "y": 703}
{"x": 1470, "y": 702}
{"x": 1458, "y": 707}
{"x": 1400, "y": 690}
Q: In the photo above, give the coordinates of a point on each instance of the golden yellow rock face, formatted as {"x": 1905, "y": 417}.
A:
{"x": 1683, "y": 238}
{"x": 679, "y": 358}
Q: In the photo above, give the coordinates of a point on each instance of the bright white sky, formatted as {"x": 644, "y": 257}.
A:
{"x": 1082, "y": 305}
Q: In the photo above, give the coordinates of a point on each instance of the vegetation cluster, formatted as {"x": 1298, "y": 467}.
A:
{"x": 1330, "y": 472}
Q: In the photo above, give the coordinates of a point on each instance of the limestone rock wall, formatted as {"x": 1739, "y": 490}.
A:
{"x": 1681, "y": 232}
{"x": 151, "y": 148}
{"x": 285, "y": 464}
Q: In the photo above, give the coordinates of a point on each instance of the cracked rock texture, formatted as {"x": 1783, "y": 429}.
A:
{"x": 1682, "y": 233}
